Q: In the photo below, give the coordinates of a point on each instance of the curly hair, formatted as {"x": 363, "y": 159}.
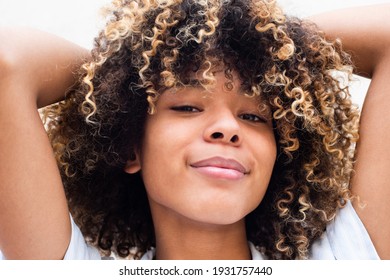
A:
{"x": 148, "y": 46}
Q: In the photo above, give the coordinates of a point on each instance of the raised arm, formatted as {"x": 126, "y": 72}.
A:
{"x": 365, "y": 32}
{"x": 36, "y": 69}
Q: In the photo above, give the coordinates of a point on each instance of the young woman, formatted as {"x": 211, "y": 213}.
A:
{"x": 196, "y": 130}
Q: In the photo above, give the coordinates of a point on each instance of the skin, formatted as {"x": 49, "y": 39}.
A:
{"x": 210, "y": 201}
{"x": 35, "y": 73}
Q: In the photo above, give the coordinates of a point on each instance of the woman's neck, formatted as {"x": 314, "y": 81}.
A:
{"x": 183, "y": 239}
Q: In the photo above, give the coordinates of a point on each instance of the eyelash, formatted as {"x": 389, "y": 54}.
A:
{"x": 252, "y": 118}
{"x": 186, "y": 108}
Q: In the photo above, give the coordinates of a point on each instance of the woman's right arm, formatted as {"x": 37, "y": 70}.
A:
{"x": 365, "y": 33}
{"x": 36, "y": 70}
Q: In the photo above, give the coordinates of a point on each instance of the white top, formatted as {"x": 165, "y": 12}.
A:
{"x": 345, "y": 238}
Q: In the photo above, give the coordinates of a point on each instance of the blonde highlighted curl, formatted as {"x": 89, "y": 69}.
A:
{"x": 150, "y": 46}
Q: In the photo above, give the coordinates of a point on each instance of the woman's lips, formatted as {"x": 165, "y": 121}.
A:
{"x": 221, "y": 168}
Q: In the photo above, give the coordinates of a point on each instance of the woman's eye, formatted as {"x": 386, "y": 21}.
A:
{"x": 252, "y": 118}
{"x": 186, "y": 108}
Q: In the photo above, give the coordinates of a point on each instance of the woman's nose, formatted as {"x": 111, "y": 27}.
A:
{"x": 223, "y": 128}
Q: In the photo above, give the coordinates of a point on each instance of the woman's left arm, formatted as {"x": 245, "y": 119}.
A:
{"x": 365, "y": 33}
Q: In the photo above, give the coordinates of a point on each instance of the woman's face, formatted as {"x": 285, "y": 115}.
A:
{"x": 207, "y": 156}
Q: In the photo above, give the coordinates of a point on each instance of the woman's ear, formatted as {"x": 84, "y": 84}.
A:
{"x": 133, "y": 164}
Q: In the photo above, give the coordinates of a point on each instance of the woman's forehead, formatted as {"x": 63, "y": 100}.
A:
{"x": 208, "y": 87}
{"x": 212, "y": 80}
{"x": 221, "y": 88}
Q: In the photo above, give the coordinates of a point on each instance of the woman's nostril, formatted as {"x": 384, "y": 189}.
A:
{"x": 234, "y": 139}
{"x": 217, "y": 135}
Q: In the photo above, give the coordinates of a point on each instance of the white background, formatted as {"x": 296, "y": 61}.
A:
{"x": 79, "y": 20}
